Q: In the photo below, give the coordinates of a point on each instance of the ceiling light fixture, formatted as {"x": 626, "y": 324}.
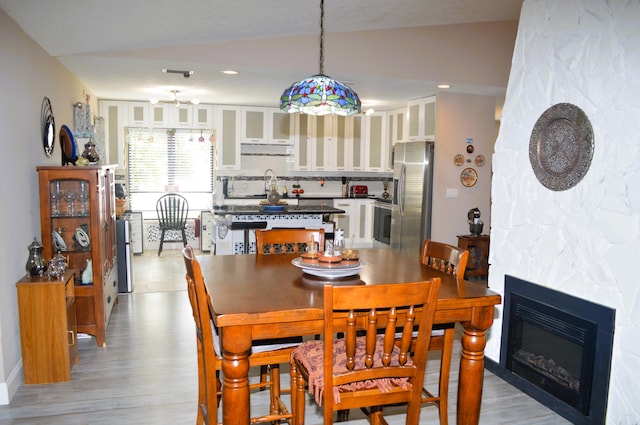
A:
{"x": 444, "y": 86}
{"x": 320, "y": 94}
{"x": 185, "y": 74}
{"x": 175, "y": 101}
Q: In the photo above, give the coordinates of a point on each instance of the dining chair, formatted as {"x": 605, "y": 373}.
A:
{"x": 210, "y": 361}
{"x": 451, "y": 260}
{"x": 278, "y": 241}
{"x": 172, "y": 210}
{"x": 367, "y": 369}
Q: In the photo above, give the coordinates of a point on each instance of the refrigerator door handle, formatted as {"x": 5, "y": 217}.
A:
{"x": 401, "y": 184}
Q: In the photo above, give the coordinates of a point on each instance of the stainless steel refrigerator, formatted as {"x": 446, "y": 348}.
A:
{"x": 412, "y": 192}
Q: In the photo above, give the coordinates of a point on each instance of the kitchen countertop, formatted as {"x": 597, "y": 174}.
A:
{"x": 288, "y": 209}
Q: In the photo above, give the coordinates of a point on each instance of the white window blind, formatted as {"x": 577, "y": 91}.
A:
{"x": 161, "y": 161}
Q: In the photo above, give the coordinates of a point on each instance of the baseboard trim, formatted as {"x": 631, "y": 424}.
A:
{"x": 10, "y": 388}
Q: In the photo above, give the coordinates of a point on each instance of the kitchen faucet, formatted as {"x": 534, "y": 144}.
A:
{"x": 273, "y": 180}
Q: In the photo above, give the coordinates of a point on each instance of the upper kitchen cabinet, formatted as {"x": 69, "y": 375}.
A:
{"x": 266, "y": 126}
{"x": 115, "y": 115}
{"x": 255, "y": 127}
{"x": 281, "y": 125}
{"x": 143, "y": 114}
{"x": 330, "y": 143}
{"x": 304, "y": 137}
{"x": 314, "y": 143}
{"x": 421, "y": 122}
{"x": 396, "y": 123}
{"x": 350, "y": 143}
{"x": 376, "y": 159}
{"x": 190, "y": 116}
{"x": 228, "y": 129}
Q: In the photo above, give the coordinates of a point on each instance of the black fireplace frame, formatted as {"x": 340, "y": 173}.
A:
{"x": 602, "y": 318}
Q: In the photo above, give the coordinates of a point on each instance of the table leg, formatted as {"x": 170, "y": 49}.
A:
{"x": 236, "y": 345}
{"x": 472, "y": 366}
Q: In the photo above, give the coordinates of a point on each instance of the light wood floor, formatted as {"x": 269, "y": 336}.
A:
{"x": 147, "y": 374}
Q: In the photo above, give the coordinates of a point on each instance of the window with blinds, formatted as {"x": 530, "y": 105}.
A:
{"x": 160, "y": 161}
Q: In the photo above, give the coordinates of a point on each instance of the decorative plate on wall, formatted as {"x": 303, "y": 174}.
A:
{"x": 458, "y": 160}
{"x": 468, "y": 177}
{"x": 480, "y": 160}
{"x": 561, "y": 146}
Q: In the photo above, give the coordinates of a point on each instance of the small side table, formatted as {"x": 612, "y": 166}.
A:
{"x": 48, "y": 333}
{"x": 478, "y": 247}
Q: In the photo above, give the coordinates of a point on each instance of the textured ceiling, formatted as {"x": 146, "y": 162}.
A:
{"x": 388, "y": 51}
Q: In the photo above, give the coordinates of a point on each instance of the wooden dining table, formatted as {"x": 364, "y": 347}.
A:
{"x": 259, "y": 297}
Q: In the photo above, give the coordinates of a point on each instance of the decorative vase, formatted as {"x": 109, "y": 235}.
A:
{"x": 36, "y": 265}
{"x": 90, "y": 151}
{"x": 87, "y": 274}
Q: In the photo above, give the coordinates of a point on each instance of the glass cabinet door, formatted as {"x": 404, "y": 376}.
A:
{"x": 70, "y": 207}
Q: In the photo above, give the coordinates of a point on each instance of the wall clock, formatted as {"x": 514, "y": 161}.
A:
{"x": 47, "y": 127}
{"x": 561, "y": 146}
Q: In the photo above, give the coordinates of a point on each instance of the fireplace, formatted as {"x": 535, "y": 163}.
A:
{"x": 557, "y": 349}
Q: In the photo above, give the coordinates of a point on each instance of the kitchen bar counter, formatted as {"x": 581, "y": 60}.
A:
{"x": 288, "y": 209}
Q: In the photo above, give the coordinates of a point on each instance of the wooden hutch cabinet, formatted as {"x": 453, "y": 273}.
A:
{"x": 77, "y": 218}
{"x": 478, "y": 264}
{"x": 48, "y": 335}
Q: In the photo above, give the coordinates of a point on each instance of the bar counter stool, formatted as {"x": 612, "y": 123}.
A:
{"x": 247, "y": 226}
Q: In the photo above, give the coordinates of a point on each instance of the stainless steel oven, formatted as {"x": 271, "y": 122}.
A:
{"x": 382, "y": 222}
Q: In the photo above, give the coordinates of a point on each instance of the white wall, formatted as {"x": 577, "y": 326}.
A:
{"x": 584, "y": 241}
{"x": 27, "y": 75}
{"x": 460, "y": 117}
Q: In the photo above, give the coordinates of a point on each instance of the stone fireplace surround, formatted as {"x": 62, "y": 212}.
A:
{"x": 562, "y": 329}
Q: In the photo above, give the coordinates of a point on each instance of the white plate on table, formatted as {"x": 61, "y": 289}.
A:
{"x": 328, "y": 270}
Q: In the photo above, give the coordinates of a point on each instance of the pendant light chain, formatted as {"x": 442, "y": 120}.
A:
{"x": 321, "y": 37}
{"x": 320, "y": 94}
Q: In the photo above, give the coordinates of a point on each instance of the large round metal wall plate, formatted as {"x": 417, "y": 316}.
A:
{"x": 561, "y": 146}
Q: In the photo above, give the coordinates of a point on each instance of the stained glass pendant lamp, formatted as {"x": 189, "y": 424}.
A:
{"x": 320, "y": 94}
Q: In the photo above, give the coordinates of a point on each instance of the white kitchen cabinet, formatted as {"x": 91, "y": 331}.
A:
{"x": 227, "y": 124}
{"x": 281, "y": 127}
{"x": 397, "y": 123}
{"x": 206, "y": 230}
{"x": 303, "y": 141}
{"x": 115, "y": 116}
{"x": 324, "y": 143}
{"x": 138, "y": 115}
{"x": 330, "y": 143}
{"x": 344, "y": 220}
{"x": 255, "y": 128}
{"x": 421, "y": 119}
{"x": 266, "y": 126}
{"x": 376, "y": 137}
{"x": 356, "y": 221}
{"x": 350, "y": 143}
{"x": 190, "y": 116}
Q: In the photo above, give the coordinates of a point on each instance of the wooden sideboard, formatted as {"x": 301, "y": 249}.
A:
{"x": 48, "y": 334}
{"x": 478, "y": 246}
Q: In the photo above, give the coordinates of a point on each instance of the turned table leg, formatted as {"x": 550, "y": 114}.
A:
{"x": 472, "y": 366}
{"x": 236, "y": 345}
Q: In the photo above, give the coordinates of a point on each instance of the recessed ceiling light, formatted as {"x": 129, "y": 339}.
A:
{"x": 229, "y": 72}
{"x": 444, "y": 86}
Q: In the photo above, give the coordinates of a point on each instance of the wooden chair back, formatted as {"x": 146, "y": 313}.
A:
{"x": 209, "y": 385}
{"x": 444, "y": 257}
{"x": 354, "y": 310}
{"x": 277, "y": 241}
{"x": 172, "y": 210}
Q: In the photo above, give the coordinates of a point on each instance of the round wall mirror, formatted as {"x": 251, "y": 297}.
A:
{"x": 48, "y": 127}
